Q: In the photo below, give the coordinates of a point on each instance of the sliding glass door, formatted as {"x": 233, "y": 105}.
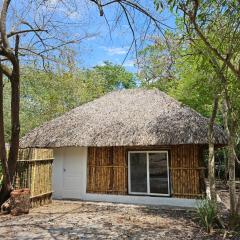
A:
{"x": 148, "y": 173}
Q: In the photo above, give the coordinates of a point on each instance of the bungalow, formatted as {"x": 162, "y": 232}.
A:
{"x": 131, "y": 146}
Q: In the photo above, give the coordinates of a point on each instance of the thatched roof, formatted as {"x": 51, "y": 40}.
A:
{"x": 125, "y": 118}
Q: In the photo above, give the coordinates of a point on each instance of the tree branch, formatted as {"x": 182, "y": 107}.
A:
{"x": 6, "y": 71}
{"x": 192, "y": 17}
{"x": 3, "y": 23}
{"x": 16, "y": 46}
{"x": 11, "y": 34}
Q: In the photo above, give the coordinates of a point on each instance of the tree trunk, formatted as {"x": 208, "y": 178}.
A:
{"x": 232, "y": 180}
{"x": 13, "y": 74}
{"x": 9, "y": 164}
{"x": 15, "y": 105}
{"x": 6, "y": 186}
{"x": 225, "y": 165}
{"x": 211, "y": 158}
{"x": 228, "y": 123}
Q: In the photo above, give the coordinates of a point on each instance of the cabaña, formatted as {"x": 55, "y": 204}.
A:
{"x": 130, "y": 146}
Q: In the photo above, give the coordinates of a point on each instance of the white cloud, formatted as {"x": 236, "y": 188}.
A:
{"x": 101, "y": 63}
{"x": 73, "y": 15}
{"x": 116, "y": 50}
{"x": 52, "y": 2}
{"x": 76, "y": 11}
{"x": 129, "y": 63}
{"x": 92, "y": 38}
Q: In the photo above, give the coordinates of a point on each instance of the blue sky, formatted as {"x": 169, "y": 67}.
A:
{"x": 106, "y": 42}
{"x": 114, "y": 47}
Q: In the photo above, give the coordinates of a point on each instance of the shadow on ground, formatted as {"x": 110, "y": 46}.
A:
{"x": 84, "y": 220}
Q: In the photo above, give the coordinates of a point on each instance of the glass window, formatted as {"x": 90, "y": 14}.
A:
{"x": 148, "y": 173}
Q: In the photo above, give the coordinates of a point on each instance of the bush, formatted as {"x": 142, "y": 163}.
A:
{"x": 207, "y": 213}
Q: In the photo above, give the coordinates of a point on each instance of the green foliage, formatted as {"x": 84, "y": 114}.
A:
{"x": 184, "y": 71}
{"x": 197, "y": 82}
{"x": 207, "y": 213}
{"x": 6, "y": 99}
{"x": 115, "y": 76}
{"x": 158, "y": 5}
{"x": 195, "y": 68}
{"x": 157, "y": 68}
{"x": 180, "y": 71}
{"x": 46, "y": 95}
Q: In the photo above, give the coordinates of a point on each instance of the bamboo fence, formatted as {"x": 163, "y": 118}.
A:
{"x": 34, "y": 171}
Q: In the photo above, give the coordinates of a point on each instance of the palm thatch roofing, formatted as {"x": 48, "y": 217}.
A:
{"x": 125, "y": 118}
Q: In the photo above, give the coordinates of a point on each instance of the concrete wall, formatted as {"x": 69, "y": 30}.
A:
{"x": 70, "y": 181}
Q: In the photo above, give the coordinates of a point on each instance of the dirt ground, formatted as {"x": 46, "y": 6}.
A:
{"x": 87, "y": 220}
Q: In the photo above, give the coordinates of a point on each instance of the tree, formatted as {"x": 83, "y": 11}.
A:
{"x": 216, "y": 25}
{"x": 189, "y": 71}
{"x": 28, "y": 37}
{"x": 210, "y": 30}
{"x": 157, "y": 62}
{"x": 38, "y": 33}
{"x": 115, "y": 76}
{"x": 53, "y": 93}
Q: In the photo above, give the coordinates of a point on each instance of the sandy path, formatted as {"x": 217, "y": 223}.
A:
{"x": 85, "y": 220}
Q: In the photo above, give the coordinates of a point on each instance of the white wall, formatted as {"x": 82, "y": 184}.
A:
{"x": 57, "y": 174}
{"x": 72, "y": 183}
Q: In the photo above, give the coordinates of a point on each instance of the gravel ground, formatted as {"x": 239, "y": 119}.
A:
{"x": 87, "y": 220}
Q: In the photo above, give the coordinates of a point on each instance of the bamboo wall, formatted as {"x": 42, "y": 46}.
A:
{"x": 186, "y": 171}
{"x": 34, "y": 171}
{"x": 108, "y": 170}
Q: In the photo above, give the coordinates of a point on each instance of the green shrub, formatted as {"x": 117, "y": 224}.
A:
{"x": 207, "y": 213}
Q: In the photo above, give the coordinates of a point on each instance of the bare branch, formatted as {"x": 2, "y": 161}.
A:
{"x": 3, "y": 23}
{"x": 132, "y": 30}
{"x": 11, "y": 34}
{"x": 16, "y": 46}
{"x": 100, "y": 6}
{"x": 192, "y": 17}
{"x": 32, "y": 28}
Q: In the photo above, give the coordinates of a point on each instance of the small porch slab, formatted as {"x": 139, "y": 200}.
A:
{"x": 142, "y": 200}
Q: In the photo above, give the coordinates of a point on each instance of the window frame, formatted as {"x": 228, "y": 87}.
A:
{"x": 148, "y": 193}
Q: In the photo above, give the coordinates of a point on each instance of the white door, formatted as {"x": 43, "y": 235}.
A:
{"x": 72, "y": 176}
